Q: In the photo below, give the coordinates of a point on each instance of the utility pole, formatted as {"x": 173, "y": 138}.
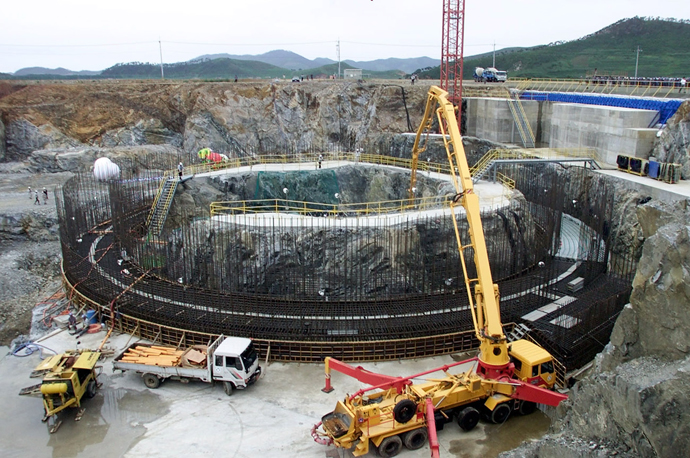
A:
{"x": 160, "y": 49}
{"x": 494, "y": 62}
{"x": 637, "y": 59}
{"x": 337, "y": 49}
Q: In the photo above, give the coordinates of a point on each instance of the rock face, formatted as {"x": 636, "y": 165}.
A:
{"x": 640, "y": 404}
{"x": 23, "y": 138}
{"x": 3, "y": 148}
{"x": 637, "y": 395}
{"x": 674, "y": 143}
{"x": 82, "y": 159}
{"x": 234, "y": 119}
{"x": 346, "y": 259}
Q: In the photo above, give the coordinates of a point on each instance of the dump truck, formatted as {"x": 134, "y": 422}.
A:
{"x": 504, "y": 378}
{"x": 230, "y": 360}
{"x": 68, "y": 378}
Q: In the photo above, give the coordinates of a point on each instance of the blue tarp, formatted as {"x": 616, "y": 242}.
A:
{"x": 666, "y": 108}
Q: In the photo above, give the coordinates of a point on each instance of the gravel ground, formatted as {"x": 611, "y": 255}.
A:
{"x": 29, "y": 247}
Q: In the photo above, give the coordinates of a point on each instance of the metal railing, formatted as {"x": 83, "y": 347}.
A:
{"x": 325, "y": 209}
{"x": 660, "y": 89}
{"x": 310, "y": 158}
{"x": 520, "y": 118}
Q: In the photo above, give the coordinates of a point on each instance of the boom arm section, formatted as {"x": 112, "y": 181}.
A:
{"x": 485, "y": 302}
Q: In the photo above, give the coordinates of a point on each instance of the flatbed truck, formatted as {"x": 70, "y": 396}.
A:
{"x": 230, "y": 360}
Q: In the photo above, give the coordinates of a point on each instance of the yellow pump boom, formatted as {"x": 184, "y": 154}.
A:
{"x": 484, "y": 304}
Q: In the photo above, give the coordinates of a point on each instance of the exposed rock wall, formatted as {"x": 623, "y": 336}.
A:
{"x": 81, "y": 159}
{"x": 674, "y": 143}
{"x": 637, "y": 394}
{"x": 229, "y": 118}
{"x": 3, "y": 148}
{"x": 345, "y": 259}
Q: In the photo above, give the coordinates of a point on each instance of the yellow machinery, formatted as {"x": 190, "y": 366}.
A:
{"x": 69, "y": 377}
{"x": 504, "y": 378}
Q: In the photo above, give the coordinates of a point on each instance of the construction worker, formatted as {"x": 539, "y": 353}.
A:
{"x": 71, "y": 322}
{"x": 180, "y": 168}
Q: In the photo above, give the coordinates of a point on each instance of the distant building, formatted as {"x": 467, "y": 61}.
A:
{"x": 352, "y": 73}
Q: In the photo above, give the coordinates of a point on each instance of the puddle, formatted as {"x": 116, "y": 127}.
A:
{"x": 111, "y": 424}
{"x": 488, "y": 440}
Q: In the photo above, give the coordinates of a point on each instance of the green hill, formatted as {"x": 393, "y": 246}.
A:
{"x": 223, "y": 68}
{"x": 206, "y": 69}
{"x": 611, "y": 51}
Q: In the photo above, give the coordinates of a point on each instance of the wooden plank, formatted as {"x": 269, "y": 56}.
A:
{"x": 195, "y": 356}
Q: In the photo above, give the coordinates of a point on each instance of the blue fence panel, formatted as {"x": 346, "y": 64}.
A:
{"x": 666, "y": 108}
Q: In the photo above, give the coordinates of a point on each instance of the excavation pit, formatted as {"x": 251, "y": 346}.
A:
{"x": 330, "y": 272}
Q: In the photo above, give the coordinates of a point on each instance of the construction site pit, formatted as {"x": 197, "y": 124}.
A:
{"x": 332, "y": 257}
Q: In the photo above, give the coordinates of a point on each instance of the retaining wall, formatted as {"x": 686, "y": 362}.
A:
{"x": 611, "y": 130}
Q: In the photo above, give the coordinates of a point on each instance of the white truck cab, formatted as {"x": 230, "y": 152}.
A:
{"x": 235, "y": 360}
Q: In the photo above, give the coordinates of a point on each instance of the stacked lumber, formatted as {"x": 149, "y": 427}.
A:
{"x": 153, "y": 355}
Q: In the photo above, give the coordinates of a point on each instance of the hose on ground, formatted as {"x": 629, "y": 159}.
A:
{"x": 29, "y": 348}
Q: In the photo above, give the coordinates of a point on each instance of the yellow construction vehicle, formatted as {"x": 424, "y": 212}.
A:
{"x": 67, "y": 379}
{"x": 504, "y": 377}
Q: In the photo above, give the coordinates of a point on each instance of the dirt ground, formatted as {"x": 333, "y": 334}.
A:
{"x": 272, "y": 418}
{"x": 29, "y": 250}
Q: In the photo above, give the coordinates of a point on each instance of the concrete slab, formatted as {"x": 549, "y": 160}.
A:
{"x": 565, "y": 321}
{"x": 655, "y": 188}
{"x": 273, "y": 418}
{"x": 548, "y": 308}
{"x": 534, "y": 316}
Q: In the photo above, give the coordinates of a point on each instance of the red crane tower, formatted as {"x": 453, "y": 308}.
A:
{"x": 451, "y": 49}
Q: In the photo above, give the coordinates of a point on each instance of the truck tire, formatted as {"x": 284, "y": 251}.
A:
{"x": 404, "y": 411}
{"x": 152, "y": 381}
{"x": 468, "y": 418}
{"x": 527, "y": 407}
{"x": 500, "y": 413}
{"x": 415, "y": 439}
{"x": 91, "y": 388}
{"x": 390, "y": 446}
{"x": 228, "y": 387}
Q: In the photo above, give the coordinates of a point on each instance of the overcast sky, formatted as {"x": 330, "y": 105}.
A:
{"x": 94, "y": 35}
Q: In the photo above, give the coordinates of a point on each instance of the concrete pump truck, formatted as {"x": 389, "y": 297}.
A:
{"x": 505, "y": 377}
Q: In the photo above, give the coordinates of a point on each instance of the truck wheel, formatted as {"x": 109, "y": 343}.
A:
{"x": 152, "y": 381}
{"x": 91, "y": 389}
{"x": 468, "y": 418}
{"x": 404, "y": 411}
{"x": 500, "y": 413}
{"x": 527, "y": 407}
{"x": 415, "y": 439}
{"x": 390, "y": 446}
{"x": 228, "y": 387}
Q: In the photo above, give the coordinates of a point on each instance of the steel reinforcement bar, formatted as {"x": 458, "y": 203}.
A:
{"x": 291, "y": 350}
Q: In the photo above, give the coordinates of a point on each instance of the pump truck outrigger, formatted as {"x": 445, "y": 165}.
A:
{"x": 504, "y": 378}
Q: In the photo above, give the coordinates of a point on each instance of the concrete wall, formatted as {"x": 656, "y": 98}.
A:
{"x": 611, "y": 130}
{"x": 490, "y": 118}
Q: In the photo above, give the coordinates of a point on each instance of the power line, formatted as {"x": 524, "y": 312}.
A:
{"x": 79, "y": 46}
{"x": 193, "y": 43}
